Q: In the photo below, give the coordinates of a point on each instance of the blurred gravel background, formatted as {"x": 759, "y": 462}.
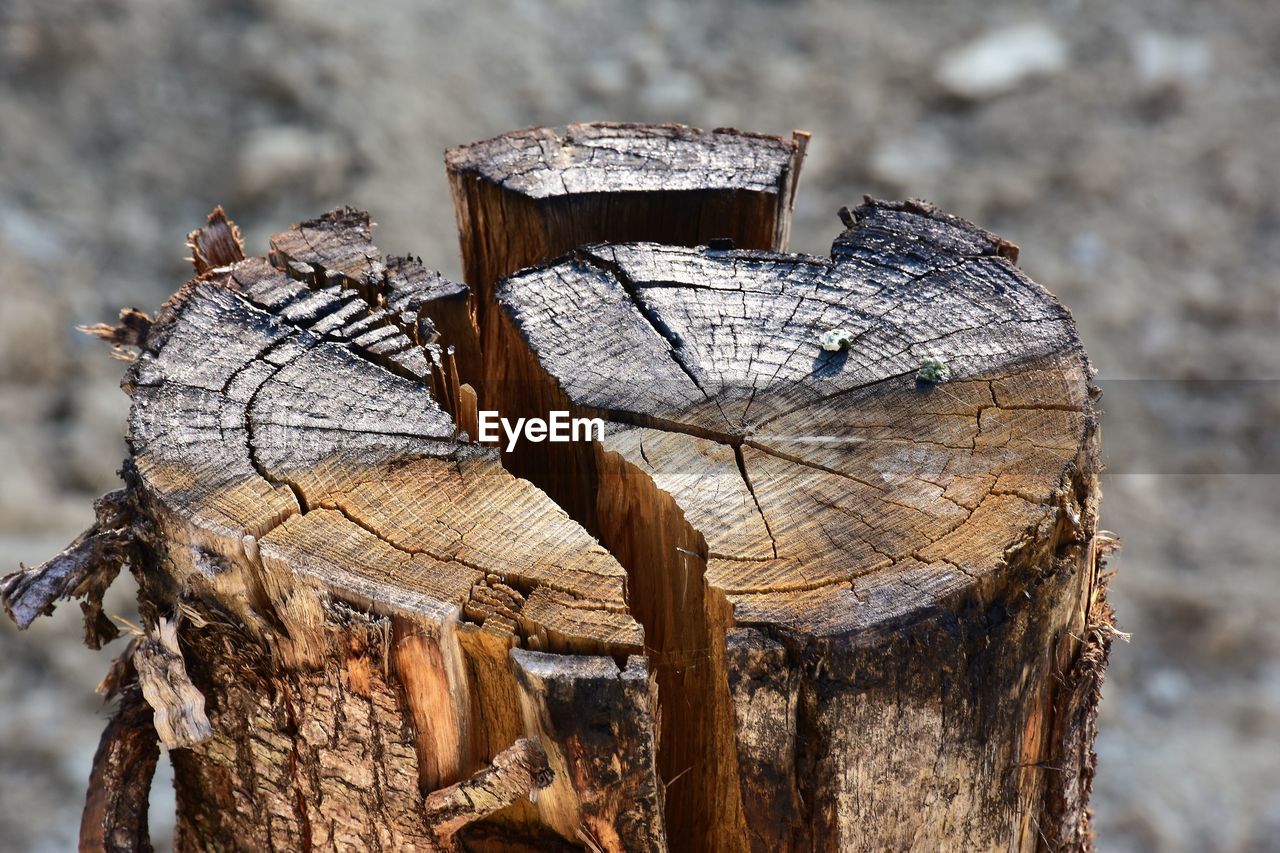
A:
{"x": 1131, "y": 149}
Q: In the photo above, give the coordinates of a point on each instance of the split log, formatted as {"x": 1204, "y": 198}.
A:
{"x": 311, "y": 506}
{"x": 795, "y": 599}
{"x": 861, "y": 591}
{"x": 529, "y": 196}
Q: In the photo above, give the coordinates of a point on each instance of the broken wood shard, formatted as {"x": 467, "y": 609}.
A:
{"x": 179, "y": 717}
{"x": 115, "y": 811}
{"x": 217, "y": 244}
{"x": 518, "y": 772}
{"x": 833, "y": 563}
{"x": 130, "y": 331}
{"x": 529, "y": 196}
{"x": 793, "y": 599}
{"x": 599, "y": 725}
{"x": 83, "y": 570}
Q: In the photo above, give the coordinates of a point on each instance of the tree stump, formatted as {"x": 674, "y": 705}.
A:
{"x": 796, "y": 598}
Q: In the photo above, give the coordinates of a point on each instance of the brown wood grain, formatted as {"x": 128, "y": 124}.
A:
{"x": 794, "y": 599}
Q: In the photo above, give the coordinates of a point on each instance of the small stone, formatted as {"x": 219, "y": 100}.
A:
{"x": 273, "y": 159}
{"x": 1000, "y": 60}
{"x": 933, "y": 370}
{"x": 1162, "y": 60}
{"x": 835, "y": 340}
{"x": 672, "y": 91}
{"x": 607, "y": 78}
{"x": 1087, "y": 251}
{"x": 911, "y": 159}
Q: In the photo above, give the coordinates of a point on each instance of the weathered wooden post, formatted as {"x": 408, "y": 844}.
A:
{"x": 798, "y": 596}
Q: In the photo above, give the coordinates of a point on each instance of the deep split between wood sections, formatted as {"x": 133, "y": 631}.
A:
{"x": 793, "y": 598}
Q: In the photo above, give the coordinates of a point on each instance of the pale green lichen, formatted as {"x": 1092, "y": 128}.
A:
{"x": 933, "y": 370}
{"x": 835, "y": 340}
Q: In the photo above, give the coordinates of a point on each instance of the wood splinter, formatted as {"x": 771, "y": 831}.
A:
{"x": 518, "y": 772}
{"x": 180, "y": 719}
{"x": 84, "y": 570}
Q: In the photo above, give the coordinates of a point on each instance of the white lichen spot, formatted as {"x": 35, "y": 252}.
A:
{"x": 933, "y": 369}
{"x": 834, "y": 340}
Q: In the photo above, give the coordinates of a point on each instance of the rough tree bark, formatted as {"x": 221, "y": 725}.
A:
{"x": 795, "y": 599}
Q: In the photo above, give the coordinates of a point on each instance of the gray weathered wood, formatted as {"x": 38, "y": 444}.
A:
{"x": 827, "y": 605}
{"x": 868, "y": 590}
{"x": 531, "y": 195}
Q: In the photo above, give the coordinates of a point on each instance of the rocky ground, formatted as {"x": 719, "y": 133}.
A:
{"x": 1129, "y": 148}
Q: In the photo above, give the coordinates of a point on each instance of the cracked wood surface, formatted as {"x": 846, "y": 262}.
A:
{"x": 527, "y": 196}
{"x": 838, "y": 567}
{"x": 812, "y": 471}
{"x": 794, "y": 600}
{"x": 290, "y": 427}
{"x": 295, "y": 468}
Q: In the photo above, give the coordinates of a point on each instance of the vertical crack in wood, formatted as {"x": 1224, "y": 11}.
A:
{"x": 920, "y": 683}
{"x": 665, "y": 558}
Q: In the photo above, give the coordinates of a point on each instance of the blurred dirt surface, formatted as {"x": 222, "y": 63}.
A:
{"x": 1130, "y": 149}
